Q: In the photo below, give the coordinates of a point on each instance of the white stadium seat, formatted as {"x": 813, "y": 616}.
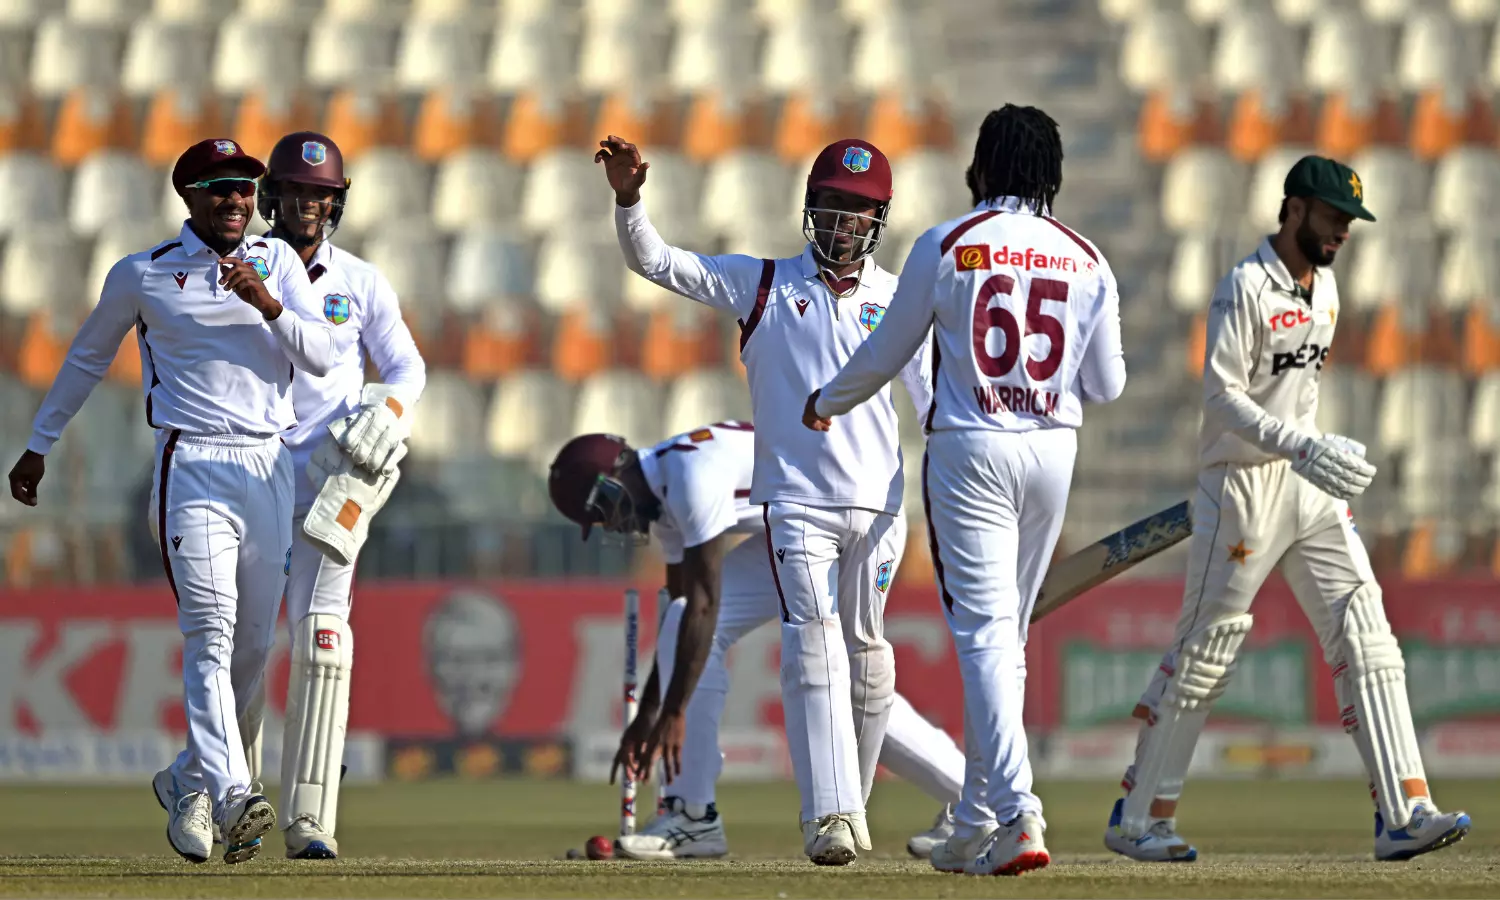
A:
{"x": 111, "y": 187}
{"x": 24, "y": 12}
{"x": 1392, "y": 11}
{"x": 476, "y": 187}
{"x": 1465, "y": 188}
{"x": 1420, "y": 405}
{"x": 803, "y": 50}
{"x": 564, "y": 190}
{"x": 68, "y": 54}
{"x": 1394, "y": 184}
{"x": 1252, "y": 52}
{"x": 412, "y": 261}
{"x": 1390, "y": 265}
{"x": 348, "y": 52}
{"x": 206, "y": 13}
{"x": 623, "y": 402}
{"x": 601, "y": 11}
{"x": 744, "y": 187}
{"x": 487, "y": 264}
{"x": 712, "y": 54}
{"x": 1267, "y": 186}
{"x": 892, "y": 53}
{"x": 1162, "y": 49}
{"x": 1484, "y": 414}
{"x": 1210, "y": 12}
{"x": 1475, "y": 12}
{"x": 1343, "y": 52}
{"x": 1433, "y": 52}
{"x": 436, "y": 52}
{"x": 1196, "y": 267}
{"x": 675, "y": 186}
{"x": 1200, "y": 188}
{"x": 286, "y": 11}
{"x": 1470, "y": 271}
{"x": 105, "y": 12}
{"x": 529, "y": 52}
{"x": 367, "y": 10}
{"x": 31, "y": 192}
{"x": 895, "y": 247}
{"x": 449, "y": 422}
{"x": 530, "y": 417}
{"x": 108, "y": 449}
{"x": 704, "y": 397}
{"x": 161, "y": 55}
{"x": 1346, "y": 397}
{"x": 572, "y": 272}
{"x": 687, "y": 12}
{"x": 765, "y": 239}
{"x": 1122, "y": 12}
{"x": 929, "y": 188}
{"x": 252, "y": 54}
{"x": 398, "y": 191}
{"x": 615, "y": 52}
{"x": 41, "y": 269}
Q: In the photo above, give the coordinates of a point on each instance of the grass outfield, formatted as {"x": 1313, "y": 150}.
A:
{"x": 508, "y": 839}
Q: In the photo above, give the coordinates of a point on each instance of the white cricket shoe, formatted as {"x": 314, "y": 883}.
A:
{"x": 1427, "y": 831}
{"x": 1160, "y": 843}
{"x": 1013, "y": 849}
{"x": 306, "y": 839}
{"x": 674, "y": 834}
{"x": 831, "y": 840}
{"x": 189, "y": 818}
{"x": 921, "y": 845}
{"x": 954, "y": 854}
{"x": 247, "y": 816}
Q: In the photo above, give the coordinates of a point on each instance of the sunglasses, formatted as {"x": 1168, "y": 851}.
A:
{"x": 224, "y": 187}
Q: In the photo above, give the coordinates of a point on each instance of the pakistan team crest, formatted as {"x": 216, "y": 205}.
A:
{"x": 336, "y": 308}
{"x": 870, "y": 315}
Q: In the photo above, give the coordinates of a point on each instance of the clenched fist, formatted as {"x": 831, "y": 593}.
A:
{"x": 624, "y": 168}
{"x": 239, "y": 276}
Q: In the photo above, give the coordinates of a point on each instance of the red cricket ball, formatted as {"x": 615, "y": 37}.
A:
{"x": 600, "y": 847}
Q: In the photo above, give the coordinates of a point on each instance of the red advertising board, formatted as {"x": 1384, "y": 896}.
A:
{"x": 539, "y": 660}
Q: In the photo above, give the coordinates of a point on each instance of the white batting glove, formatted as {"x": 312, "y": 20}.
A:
{"x": 1347, "y": 443}
{"x": 371, "y": 436}
{"x": 1333, "y": 469}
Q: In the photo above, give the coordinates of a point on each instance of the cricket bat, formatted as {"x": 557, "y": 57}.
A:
{"x": 1099, "y": 562}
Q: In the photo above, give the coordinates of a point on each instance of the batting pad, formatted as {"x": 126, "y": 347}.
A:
{"x": 317, "y": 715}
{"x": 1204, "y": 667}
{"x": 1371, "y": 684}
{"x": 872, "y": 679}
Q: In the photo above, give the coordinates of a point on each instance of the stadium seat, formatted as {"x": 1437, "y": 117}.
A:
{"x": 530, "y": 417}
{"x": 40, "y": 269}
{"x": 486, "y": 264}
{"x": 113, "y": 246}
{"x": 160, "y": 55}
{"x": 1470, "y": 272}
{"x": 432, "y": 53}
{"x": 741, "y": 188}
{"x": 816, "y": 14}
{"x": 529, "y": 53}
{"x": 901, "y": 122}
{"x": 106, "y": 450}
{"x": 1475, "y": 12}
{"x": 721, "y": 122}
{"x": 451, "y": 120}
{"x": 1123, "y": 12}
{"x": 1263, "y": 119}
{"x": 674, "y": 189}
{"x": 687, "y": 12}
{"x": 411, "y": 258}
{"x": 929, "y": 188}
{"x": 109, "y": 188}
{"x": 1210, "y": 12}
{"x": 803, "y": 49}
{"x": 1391, "y": 265}
{"x": 711, "y": 54}
{"x": 585, "y": 342}
{"x": 1350, "y": 121}
{"x": 564, "y": 191}
{"x": 1465, "y": 188}
{"x": 572, "y": 271}
{"x": 892, "y": 52}
{"x": 449, "y": 422}
{"x": 1173, "y": 119}
{"x": 1484, "y": 414}
{"x": 287, "y": 11}
{"x": 362, "y": 119}
{"x": 22, "y": 128}
{"x": 1200, "y": 188}
{"x": 206, "y": 13}
{"x": 475, "y": 187}
{"x": 677, "y": 339}
{"x": 1439, "y": 121}
{"x": 622, "y": 51}
{"x": 1346, "y": 397}
{"x": 68, "y": 54}
{"x": 263, "y": 116}
{"x": 1266, "y": 187}
{"x": 107, "y": 12}
{"x": 771, "y": 238}
{"x": 1251, "y": 52}
{"x": 539, "y": 122}
{"x": 1394, "y": 186}
{"x": 1480, "y": 347}
{"x": 497, "y": 339}
{"x": 31, "y": 193}
{"x": 348, "y": 52}
{"x": 644, "y": 119}
{"x": 252, "y": 54}
{"x": 620, "y": 402}
{"x": 177, "y": 118}
{"x": 1432, "y": 52}
{"x": 392, "y": 188}
{"x": 1197, "y": 265}
{"x": 24, "y": 12}
{"x": 1161, "y": 50}
{"x": 808, "y": 122}
{"x": 702, "y": 398}
{"x": 1392, "y": 11}
{"x": 1343, "y": 52}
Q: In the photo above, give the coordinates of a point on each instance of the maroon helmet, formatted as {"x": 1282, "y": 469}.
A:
{"x": 582, "y": 480}
{"x": 851, "y": 166}
{"x": 304, "y": 157}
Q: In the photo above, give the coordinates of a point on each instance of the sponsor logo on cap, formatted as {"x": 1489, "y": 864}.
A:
{"x": 225, "y": 148}
{"x": 314, "y": 153}
{"x": 336, "y": 308}
{"x": 968, "y": 257}
{"x": 857, "y": 159}
{"x": 870, "y": 315}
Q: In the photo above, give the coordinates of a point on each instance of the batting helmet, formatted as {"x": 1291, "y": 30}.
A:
{"x": 850, "y": 166}
{"x": 582, "y": 482}
{"x": 304, "y": 157}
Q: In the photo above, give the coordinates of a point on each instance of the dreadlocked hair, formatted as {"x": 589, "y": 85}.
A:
{"x": 1018, "y": 154}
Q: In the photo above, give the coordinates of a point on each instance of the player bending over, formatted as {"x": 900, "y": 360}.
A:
{"x": 342, "y": 479}
{"x": 1273, "y": 493}
{"x": 692, "y": 491}
{"x": 1027, "y": 330}
{"x": 221, "y": 318}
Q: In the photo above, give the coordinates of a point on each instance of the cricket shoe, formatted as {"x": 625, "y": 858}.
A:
{"x": 921, "y": 845}
{"x": 676, "y": 834}
{"x": 956, "y": 852}
{"x": 835, "y": 839}
{"x": 189, "y": 818}
{"x": 1427, "y": 831}
{"x": 1012, "y": 849}
{"x": 247, "y": 816}
{"x": 1160, "y": 843}
{"x": 306, "y": 839}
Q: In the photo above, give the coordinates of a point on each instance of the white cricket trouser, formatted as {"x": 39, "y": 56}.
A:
{"x": 315, "y": 583}
{"x": 995, "y": 502}
{"x": 221, "y": 507}
{"x": 914, "y": 748}
{"x": 831, "y": 569}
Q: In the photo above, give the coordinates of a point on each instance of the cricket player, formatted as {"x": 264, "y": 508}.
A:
{"x": 692, "y": 491}
{"x": 1273, "y": 493}
{"x": 1027, "y": 330}
{"x": 222, "y": 321}
{"x": 302, "y": 196}
{"x": 831, "y": 505}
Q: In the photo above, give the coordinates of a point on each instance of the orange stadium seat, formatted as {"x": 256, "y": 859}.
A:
{"x": 44, "y": 345}
{"x": 810, "y": 121}
{"x": 719, "y": 123}
{"x": 1432, "y": 550}
{"x": 538, "y": 121}
{"x": 265, "y": 115}
{"x": 177, "y": 119}
{"x": 91, "y": 119}
{"x": 1174, "y": 119}
{"x": 1197, "y": 344}
{"x": 1392, "y": 343}
{"x": 900, "y": 123}
{"x": 359, "y": 119}
{"x": 126, "y": 369}
{"x": 1262, "y": 120}
{"x": 1438, "y": 122}
{"x": 584, "y": 343}
{"x": 502, "y": 341}
{"x": 21, "y": 125}
{"x": 1480, "y": 350}
{"x": 677, "y": 340}
{"x": 452, "y": 119}
{"x": 641, "y": 119}
{"x": 1349, "y": 122}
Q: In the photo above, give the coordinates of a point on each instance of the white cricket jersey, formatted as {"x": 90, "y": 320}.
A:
{"x": 361, "y": 307}
{"x": 795, "y": 334}
{"x": 1026, "y": 324}
{"x": 1266, "y": 344}
{"x": 210, "y": 363}
{"x": 702, "y": 479}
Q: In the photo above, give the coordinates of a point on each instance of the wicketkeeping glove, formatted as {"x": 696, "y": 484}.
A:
{"x": 1333, "y": 467}
{"x": 373, "y": 434}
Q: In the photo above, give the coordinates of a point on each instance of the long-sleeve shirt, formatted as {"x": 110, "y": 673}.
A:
{"x": 795, "y": 334}
{"x": 361, "y": 307}
{"x": 1266, "y": 344}
{"x": 210, "y": 362}
{"x": 1026, "y": 321}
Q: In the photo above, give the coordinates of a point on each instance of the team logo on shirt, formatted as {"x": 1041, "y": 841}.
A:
{"x": 180, "y": 278}
{"x": 225, "y": 148}
{"x": 870, "y": 315}
{"x": 857, "y": 159}
{"x": 883, "y": 576}
{"x": 260, "y": 267}
{"x": 336, "y": 308}
{"x": 314, "y": 153}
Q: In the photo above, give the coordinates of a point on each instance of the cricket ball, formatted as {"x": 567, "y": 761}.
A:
{"x": 600, "y": 847}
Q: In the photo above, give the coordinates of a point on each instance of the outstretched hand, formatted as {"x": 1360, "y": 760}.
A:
{"x": 810, "y": 417}
{"x": 623, "y": 167}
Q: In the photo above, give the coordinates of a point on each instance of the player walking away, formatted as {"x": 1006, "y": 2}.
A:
{"x": 831, "y": 507}
{"x": 1273, "y": 493}
{"x": 302, "y": 196}
{"x": 692, "y": 491}
{"x": 217, "y": 379}
{"x": 1027, "y": 330}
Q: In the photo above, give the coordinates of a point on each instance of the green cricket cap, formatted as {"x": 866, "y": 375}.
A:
{"x": 1330, "y": 181}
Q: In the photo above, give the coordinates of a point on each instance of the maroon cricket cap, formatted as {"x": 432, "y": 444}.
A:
{"x": 854, "y": 167}
{"x": 575, "y": 471}
{"x": 206, "y": 154}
